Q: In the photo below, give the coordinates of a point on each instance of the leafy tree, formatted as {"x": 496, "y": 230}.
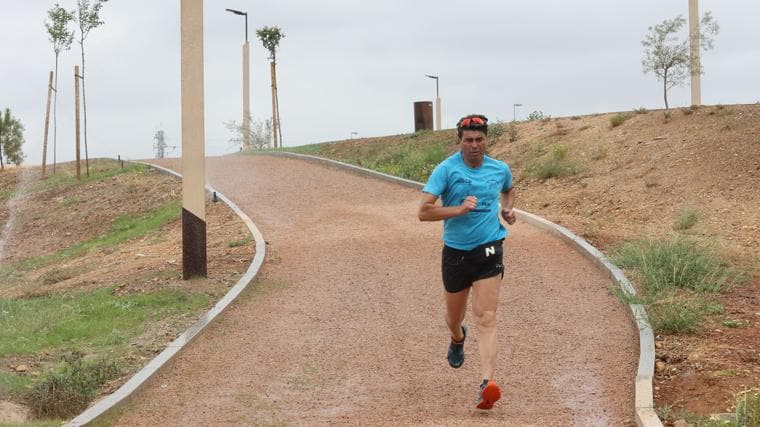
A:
{"x": 270, "y": 37}
{"x": 669, "y": 57}
{"x": 61, "y": 37}
{"x": 88, "y": 18}
{"x": 536, "y": 115}
{"x": 259, "y": 133}
{"x": 11, "y": 139}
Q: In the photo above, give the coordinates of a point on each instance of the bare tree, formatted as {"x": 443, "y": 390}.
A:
{"x": 259, "y": 133}
{"x": 88, "y": 18}
{"x": 270, "y": 37}
{"x": 61, "y": 37}
{"x": 668, "y": 57}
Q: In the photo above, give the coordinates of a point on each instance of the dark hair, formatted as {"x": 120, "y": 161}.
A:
{"x": 471, "y": 125}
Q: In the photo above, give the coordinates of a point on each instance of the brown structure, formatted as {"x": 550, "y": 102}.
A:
{"x": 194, "y": 260}
{"x": 423, "y": 116}
{"x": 76, "y": 116}
{"x": 47, "y": 124}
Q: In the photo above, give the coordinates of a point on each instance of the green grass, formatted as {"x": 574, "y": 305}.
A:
{"x": 553, "y": 166}
{"x": 686, "y": 219}
{"x": 99, "y": 170}
{"x": 66, "y": 391}
{"x": 7, "y": 194}
{"x": 13, "y": 385}
{"x": 85, "y": 320}
{"x": 618, "y": 119}
{"x": 122, "y": 229}
{"x": 239, "y": 242}
{"x": 678, "y": 280}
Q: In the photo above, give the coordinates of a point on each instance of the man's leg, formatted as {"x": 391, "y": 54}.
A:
{"x": 485, "y": 299}
{"x": 456, "y": 308}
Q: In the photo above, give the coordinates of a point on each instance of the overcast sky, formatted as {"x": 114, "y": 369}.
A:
{"x": 358, "y": 66}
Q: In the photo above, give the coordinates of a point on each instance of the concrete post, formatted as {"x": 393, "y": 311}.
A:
{"x": 437, "y": 113}
{"x": 76, "y": 116}
{"x": 246, "y": 99}
{"x": 47, "y": 123}
{"x": 193, "y": 154}
{"x": 696, "y": 67}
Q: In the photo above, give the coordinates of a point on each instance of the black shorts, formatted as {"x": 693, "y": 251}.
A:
{"x": 461, "y": 268}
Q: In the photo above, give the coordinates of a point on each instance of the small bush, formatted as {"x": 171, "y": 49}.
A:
{"x": 535, "y": 115}
{"x": 556, "y": 165}
{"x": 687, "y": 111}
{"x": 69, "y": 390}
{"x": 666, "y": 116}
{"x": 640, "y": 110}
{"x": 240, "y": 242}
{"x": 512, "y": 132}
{"x": 748, "y": 408}
{"x": 600, "y": 152}
{"x": 495, "y": 131}
{"x": 686, "y": 219}
{"x": 618, "y": 119}
{"x": 575, "y": 118}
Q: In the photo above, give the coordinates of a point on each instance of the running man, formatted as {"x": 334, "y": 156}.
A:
{"x": 469, "y": 183}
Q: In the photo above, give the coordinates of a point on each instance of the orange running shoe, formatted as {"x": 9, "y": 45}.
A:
{"x": 489, "y": 394}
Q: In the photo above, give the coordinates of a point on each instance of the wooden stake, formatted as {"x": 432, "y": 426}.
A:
{"x": 76, "y": 114}
{"x": 277, "y": 102}
{"x": 47, "y": 124}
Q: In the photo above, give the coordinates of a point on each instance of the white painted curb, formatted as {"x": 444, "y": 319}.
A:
{"x": 129, "y": 388}
{"x": 644, "y": 402}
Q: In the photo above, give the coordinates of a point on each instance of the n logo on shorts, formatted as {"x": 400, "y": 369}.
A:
{"x": 490, "y": 251}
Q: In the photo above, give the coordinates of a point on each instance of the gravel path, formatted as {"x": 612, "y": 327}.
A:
{"x": 344, "y": 324}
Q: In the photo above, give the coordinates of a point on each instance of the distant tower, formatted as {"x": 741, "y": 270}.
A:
{"x": 160, "y": 145}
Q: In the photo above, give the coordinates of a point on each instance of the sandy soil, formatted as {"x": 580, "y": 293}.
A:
{"x": 344, "y": 323}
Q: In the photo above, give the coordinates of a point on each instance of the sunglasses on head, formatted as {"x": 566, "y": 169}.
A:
{"x": 477, "y": 121}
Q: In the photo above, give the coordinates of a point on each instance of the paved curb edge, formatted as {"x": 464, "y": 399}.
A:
{"x": 644, "y": 402}
{"x": 126, "y": 391}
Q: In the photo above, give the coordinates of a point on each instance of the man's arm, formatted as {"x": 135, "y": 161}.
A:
{"x": 507, "y": 206}
{"x": 429, "y": 211}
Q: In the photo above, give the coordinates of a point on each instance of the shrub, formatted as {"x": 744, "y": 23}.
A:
{"x": 495, "y": 131}
{"x": 666, "y": 116}
{"x": 686, "y": 219}
{"x": 618, "y": 119}
{"x": 556, "y": 165}
{"x": 535, "y": 115}
{"x": 512, "y": 132}
{"x": 69, "y": 390}
{"x": 640, "y": 110}
{"x": 600, "y": 152}
{"x": 748, "y": 408}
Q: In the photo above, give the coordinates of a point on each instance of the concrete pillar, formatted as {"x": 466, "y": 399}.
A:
{"x": 696, "y": 67}
{"x": 193, "y": 151}
{"x": 437, "y": 113}
{"x": 423, "y": 116}
{"x": 246, "y": 99}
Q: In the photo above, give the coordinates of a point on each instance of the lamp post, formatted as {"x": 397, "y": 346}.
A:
{"x": 437, "y": 103}
{"x": 514, "y": 111}
{"x": 246, "y": 84}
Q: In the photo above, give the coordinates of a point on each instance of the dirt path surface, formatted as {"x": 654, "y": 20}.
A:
{"x": 344, "y": 324}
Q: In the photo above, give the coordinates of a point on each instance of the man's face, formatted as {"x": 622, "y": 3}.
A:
{"x": 473, "y": 146}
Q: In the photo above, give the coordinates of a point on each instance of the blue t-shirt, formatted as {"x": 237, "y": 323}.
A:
{"x": 452, "y": 180}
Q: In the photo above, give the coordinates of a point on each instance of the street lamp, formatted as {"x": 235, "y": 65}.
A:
{"x": 514, "y": 111}
{"x": 437, "y": 103}
{"x": 246, "y": 84}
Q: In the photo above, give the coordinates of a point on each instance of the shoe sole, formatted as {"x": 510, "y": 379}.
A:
{"x": 489, "y": 395}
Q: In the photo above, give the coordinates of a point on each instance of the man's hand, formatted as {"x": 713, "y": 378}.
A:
{"x": 469, "y": 204}
{"x": 509, "y": 216}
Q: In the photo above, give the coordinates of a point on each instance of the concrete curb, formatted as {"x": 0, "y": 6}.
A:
{"x": 644, "y": 402}
{"x": 126, "y": 391}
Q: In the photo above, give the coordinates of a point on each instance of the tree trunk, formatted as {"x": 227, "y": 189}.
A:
{"x": 665, "y": 89}
{"x": 47, "y": 124}
{"x": 277, "y": 103}
{"x": 2, "y": 166}
{"x": 274, "y": 105}
{"x": 55, "y": 105}
{"x": 84, "y": 112}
